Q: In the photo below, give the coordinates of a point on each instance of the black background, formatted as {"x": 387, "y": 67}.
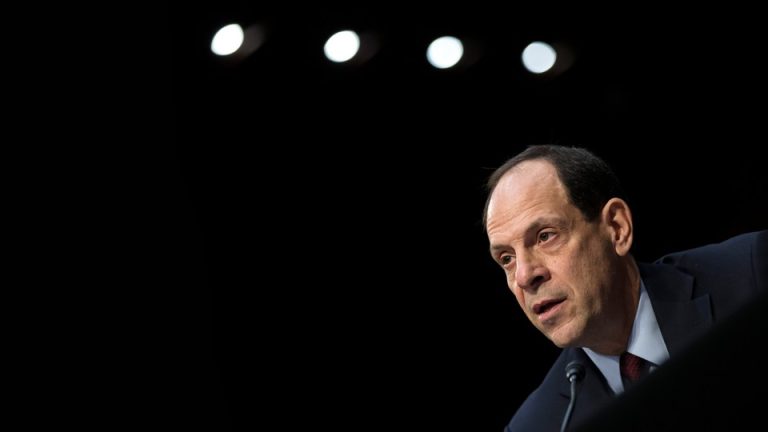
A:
{"x": 316, "y": 245}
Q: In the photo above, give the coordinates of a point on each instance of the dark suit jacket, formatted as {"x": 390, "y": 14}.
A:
{"x": 689, "y": 291}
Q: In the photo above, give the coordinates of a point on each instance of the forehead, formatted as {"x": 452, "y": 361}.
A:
{"x": 528, "y": 189}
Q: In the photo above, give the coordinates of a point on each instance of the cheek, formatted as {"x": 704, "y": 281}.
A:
{"x": 580, "y": 266}
{"x": 511, "y": 282}
{"x": 519, "y": 295}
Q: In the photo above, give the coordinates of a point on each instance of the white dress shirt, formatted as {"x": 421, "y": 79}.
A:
{"x": 645, "y": 341}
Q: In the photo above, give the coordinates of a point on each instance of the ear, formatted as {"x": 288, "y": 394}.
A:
{"x": 617, "y": 218}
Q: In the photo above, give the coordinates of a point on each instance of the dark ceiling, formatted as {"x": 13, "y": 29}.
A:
{"x": 323, "y": 230}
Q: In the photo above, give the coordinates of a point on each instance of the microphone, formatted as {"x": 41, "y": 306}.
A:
{"x": 574, "y": 371}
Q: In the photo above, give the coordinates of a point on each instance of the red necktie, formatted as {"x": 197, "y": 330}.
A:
{"x": 632, "y": 367}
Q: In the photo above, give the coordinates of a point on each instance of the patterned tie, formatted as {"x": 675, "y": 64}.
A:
{"x": 632, "y": 367}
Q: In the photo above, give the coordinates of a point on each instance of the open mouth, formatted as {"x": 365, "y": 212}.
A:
{"x": 545, "y": 306}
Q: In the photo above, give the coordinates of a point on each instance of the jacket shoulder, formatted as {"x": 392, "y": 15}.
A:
{"x": 545, "y": 406}
{"x": 741, "y": 249}
{"x": 732, "y": 271}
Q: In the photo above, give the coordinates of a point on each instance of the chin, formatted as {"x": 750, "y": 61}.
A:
{"x": 564, "y": 338}
{"x": 562, "y": 344}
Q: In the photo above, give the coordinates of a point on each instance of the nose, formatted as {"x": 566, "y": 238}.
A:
{"x": 530, "y": 273}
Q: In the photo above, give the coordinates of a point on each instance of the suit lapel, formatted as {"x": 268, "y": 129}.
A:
{"x": 681, "y": 318}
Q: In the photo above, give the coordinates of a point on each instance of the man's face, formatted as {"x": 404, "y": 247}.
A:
{"x": 558, "y": 265}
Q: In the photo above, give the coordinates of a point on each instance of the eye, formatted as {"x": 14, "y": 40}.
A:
{"x": 545, "y": 235}
{"x": 506, "y": 259}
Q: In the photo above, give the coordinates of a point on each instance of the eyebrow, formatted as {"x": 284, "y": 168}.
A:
{"x": 533, "y": 226}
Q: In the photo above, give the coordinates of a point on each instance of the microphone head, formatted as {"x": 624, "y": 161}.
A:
{"x": 574, "y": 371}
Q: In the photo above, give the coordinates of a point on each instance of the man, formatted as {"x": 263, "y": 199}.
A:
{"x": 559, "y": 228}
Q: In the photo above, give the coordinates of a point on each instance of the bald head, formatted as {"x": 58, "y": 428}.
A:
{"x": 587, "y": 180}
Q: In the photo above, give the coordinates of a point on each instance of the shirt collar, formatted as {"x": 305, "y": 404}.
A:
{"x": 645, "y": 341}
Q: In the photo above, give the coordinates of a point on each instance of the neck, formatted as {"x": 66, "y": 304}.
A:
{"x": 617, "y": 326}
